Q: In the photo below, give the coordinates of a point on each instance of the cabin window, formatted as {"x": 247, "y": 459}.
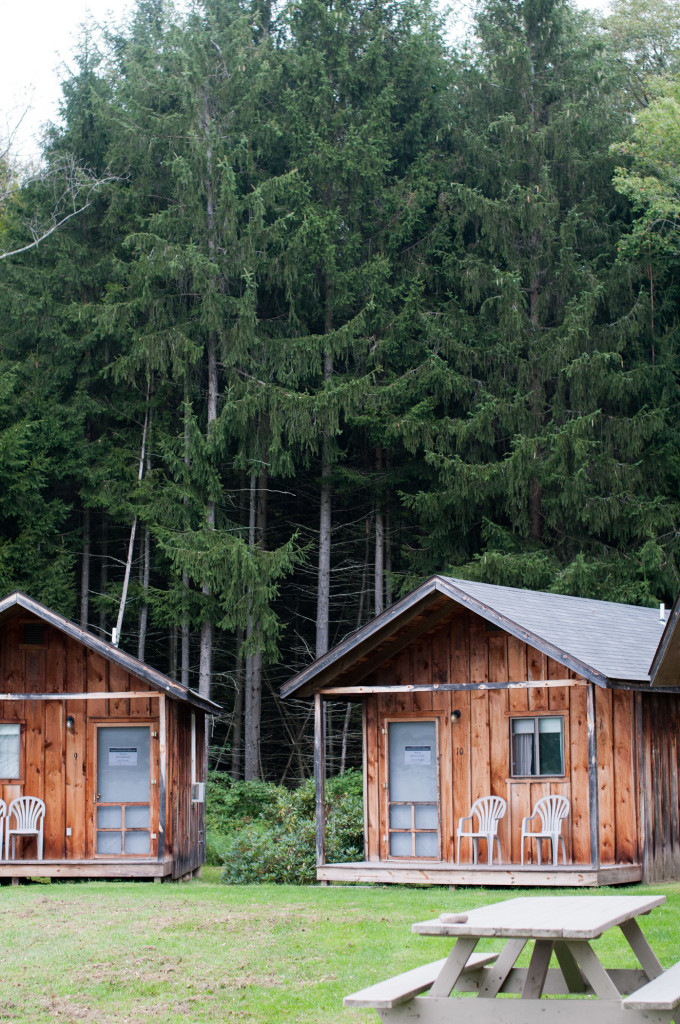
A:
{"x": 10, "y": 751}
{"x": 34, "y": 634}
{"x": 537, "y": 745}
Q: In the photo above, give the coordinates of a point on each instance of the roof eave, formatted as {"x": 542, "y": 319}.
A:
{"x": 317, "y": 675}
{"x": 320, "y": 672}
{"x": 107, "y": 650}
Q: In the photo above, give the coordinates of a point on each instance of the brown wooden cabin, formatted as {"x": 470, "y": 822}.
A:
{"x": 114, "y": 748}
{"x": 449, "y": 676}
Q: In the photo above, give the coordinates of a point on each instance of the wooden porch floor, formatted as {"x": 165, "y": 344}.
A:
{"x": 117, "y": 867}
{"x": 506, "y": 875}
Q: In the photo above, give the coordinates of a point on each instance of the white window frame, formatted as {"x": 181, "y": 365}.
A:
{"x": 536, "y": 748}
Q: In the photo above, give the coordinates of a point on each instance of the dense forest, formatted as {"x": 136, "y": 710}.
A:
{"x": 306, "y": 302}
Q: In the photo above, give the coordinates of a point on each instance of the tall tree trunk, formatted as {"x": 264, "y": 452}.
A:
{"x": 172, "y": 652}
{"x": 145, "y": 569}
{"x": 325, "y": 507}
{"x": 388, "y": 559}
{"x": 379, "y": 579}
{"x": 104, "y": 576}
{"x": 85, "y": 572}
{"x": 184, "y": 629}
{"x": 131, "y": 545}
{"x": 207, "y": 628}
{"x": 345, "y": 734}
{"x": 145, "y": 577}
{"x": 251, "y": 733}
{"x": 237, "y": 715}
{"x": 257, "y": 527}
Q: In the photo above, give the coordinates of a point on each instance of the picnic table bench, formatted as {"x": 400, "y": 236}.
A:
{"x": 403, "y": 987}
{"x": 564, "y": 926}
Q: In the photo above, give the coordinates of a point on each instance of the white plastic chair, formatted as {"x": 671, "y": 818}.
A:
{"x": 552, "y": 810}
{"x": 29, "y": 816}
{"x": 488, "y": 810}
{"x": 3, "y": 814}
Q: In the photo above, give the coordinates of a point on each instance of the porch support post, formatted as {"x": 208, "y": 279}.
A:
{"x": 319, "y": 778}
{"x": 364, "y": 760}
{"x": 594, "y": 802}
{"x": 162, "y": 771}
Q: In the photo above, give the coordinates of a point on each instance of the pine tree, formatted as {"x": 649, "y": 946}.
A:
{"x": 553, "y": 462}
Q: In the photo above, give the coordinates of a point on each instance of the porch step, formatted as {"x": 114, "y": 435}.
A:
{"x": 440, "y": 873}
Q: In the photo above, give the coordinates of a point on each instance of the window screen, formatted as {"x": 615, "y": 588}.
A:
{"x": 537, "y": 745}
{"x": 10, "y": 749}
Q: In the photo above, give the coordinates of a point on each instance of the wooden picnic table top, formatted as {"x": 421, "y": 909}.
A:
{"x": 543, "y": 917}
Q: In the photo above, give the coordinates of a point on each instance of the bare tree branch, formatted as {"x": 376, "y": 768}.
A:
{"x": 74, "y": 190}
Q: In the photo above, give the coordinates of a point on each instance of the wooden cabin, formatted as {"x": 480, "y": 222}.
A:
{"x": 114, "y": 748}
{"x": 469, "y": 690}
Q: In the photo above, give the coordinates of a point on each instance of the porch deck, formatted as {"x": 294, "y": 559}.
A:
{"x": 114, "y": 867}
{"x": 505, "y": 875}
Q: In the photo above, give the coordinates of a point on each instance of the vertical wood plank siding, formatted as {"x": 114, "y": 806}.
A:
{"x": 475, "y": 746}
{"x": 658, "y": 765}
{"x": 58, "y": 764}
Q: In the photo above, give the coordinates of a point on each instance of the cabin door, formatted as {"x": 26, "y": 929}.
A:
{"x": 413, "y": 811}
{"x": 123, "y": 803}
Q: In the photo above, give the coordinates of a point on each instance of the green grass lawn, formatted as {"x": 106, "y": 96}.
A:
{"x": 99, "y": 952}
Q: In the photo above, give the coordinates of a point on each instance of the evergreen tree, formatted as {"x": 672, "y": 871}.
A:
{"x": 540, "y": 458}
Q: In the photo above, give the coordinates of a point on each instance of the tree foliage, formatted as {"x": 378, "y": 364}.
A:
{"x": 336, "y": 260}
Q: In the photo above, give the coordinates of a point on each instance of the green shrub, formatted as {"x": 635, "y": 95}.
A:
{"x": 280, "y": 844}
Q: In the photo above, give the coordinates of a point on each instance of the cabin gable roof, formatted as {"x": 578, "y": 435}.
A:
{"x": 602, "y": 641}
{"x": 14, "y": 603}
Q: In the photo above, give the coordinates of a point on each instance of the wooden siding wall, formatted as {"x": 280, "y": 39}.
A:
{"x": 188, "y": 817}
{"x": 59, "y": 763}
{"x": 475, "y": 748}
{"x": 658, "y": 767}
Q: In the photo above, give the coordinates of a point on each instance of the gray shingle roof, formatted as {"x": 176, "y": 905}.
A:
{"x": 618, "y": 641}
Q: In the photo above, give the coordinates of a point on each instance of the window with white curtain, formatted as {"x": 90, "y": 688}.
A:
{"x": 537, "y": 745}
{"x": 10, "y": 751}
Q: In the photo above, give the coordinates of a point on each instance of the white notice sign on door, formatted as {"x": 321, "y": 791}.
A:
{"x": 418, "y": 755}
{"x": 122, "y": 757}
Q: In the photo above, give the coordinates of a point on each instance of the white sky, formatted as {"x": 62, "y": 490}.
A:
{"x": 36, "y": 38}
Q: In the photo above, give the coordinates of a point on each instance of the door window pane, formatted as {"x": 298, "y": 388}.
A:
{"x": 413, "y": 761}
{"x": 137, "y": 817}
{"x": 427, "y": 817}
{"x": 109, "y": 817}
{"x": 427, "y": 844}
{"x": 400, "y": 816}
{"x": 137, "y": 842}
{"x": 109, "y": 842}
{"x": 400, "y": 844}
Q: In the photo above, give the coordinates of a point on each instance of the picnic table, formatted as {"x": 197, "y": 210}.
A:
{"x": 563, "y": 925}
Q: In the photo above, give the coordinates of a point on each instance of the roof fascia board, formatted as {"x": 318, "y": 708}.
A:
{"x": 486, "y": 612}
{"x": 107, "y": 650}
{"x": 368, "y": 637}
